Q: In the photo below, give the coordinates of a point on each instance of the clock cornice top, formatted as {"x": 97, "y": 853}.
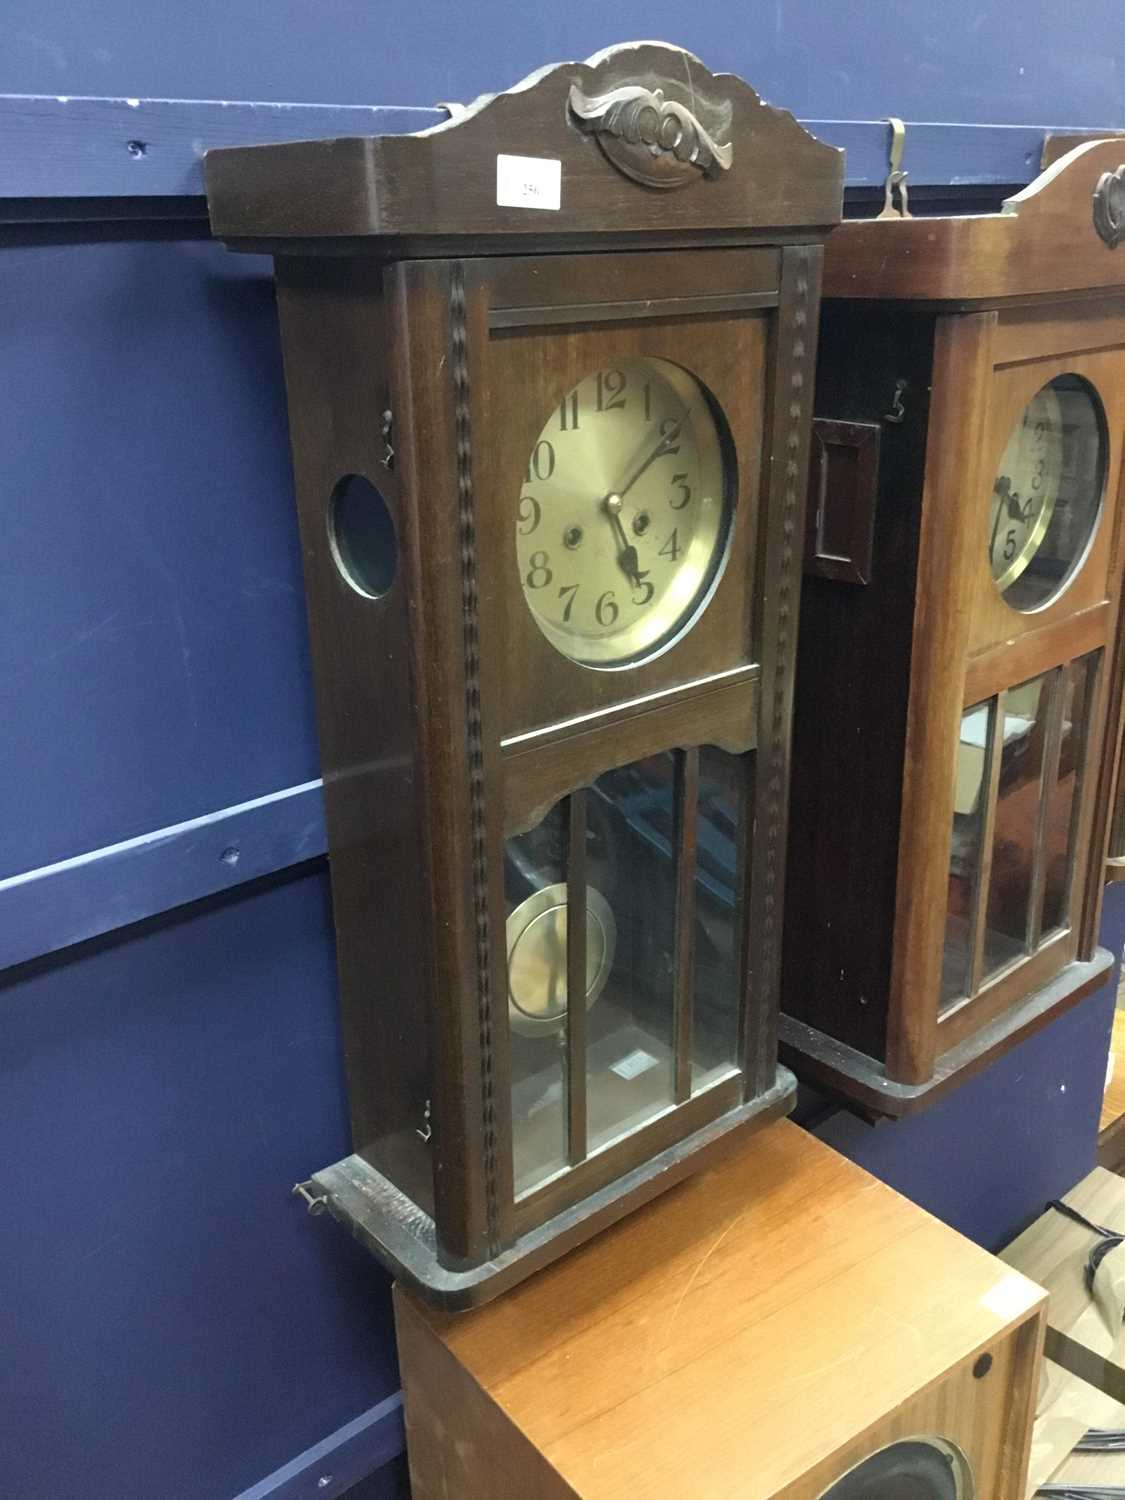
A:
{"x": 650, "y": 144}
{"x": 1062, "y": 236}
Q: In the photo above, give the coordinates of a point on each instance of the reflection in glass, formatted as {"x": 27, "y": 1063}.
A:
{"x": 662, "y": 864}
{"x": 534, "y": 874}
{"x": 970, "y": 796}
{"x": 1047, "y": 492}
{"x": 1060, "y": 814}
{"x": 1007, "y": 932}
{"x": 631, "y": 823}
{"x": 723, "y": 796}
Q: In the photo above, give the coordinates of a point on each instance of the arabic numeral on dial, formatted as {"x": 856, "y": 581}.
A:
{"x": 606, "y": 610}
{"x": 568, "y": 413}
{"x": 611, "y": 390}
{"x": 680, "y": 481}
{"x": 572, "y": 590}
{"x": 667, "y": 426}
{"x": 645, "y": 590}
{"x": 671, "y": 547}
{"x": 530, "y": 514}
{"x": 539, "y": 574}
{"x": 648, "y": 400}
{"x": 1010, "y": 544}
{"x": 542, "y": 464}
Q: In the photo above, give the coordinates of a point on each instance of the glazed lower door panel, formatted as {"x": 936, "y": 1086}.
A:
{"x": 625, "y": 917}
{"x": 1019, "y": 785}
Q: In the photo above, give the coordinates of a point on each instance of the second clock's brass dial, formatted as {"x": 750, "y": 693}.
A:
{"x": 1047, "y": 492}
{"x": 624, "y": 513}
{"x": 1026, "y": 487}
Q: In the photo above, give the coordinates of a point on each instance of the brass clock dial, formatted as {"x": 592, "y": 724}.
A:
{"x": 1047, "y": 492}
{"x": 624, "y": 514}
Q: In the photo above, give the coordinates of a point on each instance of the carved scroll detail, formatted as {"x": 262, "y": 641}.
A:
{"x": 1109, "y": 207}
{"x": 651, "y": 139}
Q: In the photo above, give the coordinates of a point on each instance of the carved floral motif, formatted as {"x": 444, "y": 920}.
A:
{"x": 653, "y": 140}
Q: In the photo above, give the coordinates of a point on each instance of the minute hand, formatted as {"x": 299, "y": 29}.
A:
{"x": 661, "y": 448}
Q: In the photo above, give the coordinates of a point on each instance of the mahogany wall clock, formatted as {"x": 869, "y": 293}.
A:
{"x": 951, "y": 764}
{"x": 550, "y": 372}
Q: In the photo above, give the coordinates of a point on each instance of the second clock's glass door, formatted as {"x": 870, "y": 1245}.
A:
{"x": 1018, "y": 793}
{"x": 630, "y": 895}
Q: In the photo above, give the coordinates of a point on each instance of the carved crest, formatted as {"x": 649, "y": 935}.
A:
{"x": 653, "y": 140}
{"x": 1109, "y": 207}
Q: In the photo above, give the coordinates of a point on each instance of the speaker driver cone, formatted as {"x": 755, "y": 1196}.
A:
{"x": 915, "y": 1469}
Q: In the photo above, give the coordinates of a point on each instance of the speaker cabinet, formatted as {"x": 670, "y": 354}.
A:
{"x": 781, "y": 1327}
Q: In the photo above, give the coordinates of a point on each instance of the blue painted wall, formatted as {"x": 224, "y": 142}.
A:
{"x": 172, "y": 1323}
{"x": 169, "y": 1326}
{"x": 985, "y": 61}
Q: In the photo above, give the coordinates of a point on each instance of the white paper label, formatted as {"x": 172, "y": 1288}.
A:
{"x": 528, "y": 182}
{"x": 1011, "y": 1295}
{"x": 633, "y": 1064}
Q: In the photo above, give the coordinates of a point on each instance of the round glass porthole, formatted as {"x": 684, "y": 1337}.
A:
{"x": 362, "y": 536}
{"x": 915, "y": 1469}
{"x": 1047, "y": 493}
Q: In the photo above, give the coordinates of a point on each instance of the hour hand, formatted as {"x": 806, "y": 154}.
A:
{"x": 627, "y": 557}
{"x": 1010, "y": 497}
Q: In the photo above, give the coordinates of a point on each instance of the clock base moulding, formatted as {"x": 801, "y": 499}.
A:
{"x": 862, "y": 1083}
{"x": 393, "y": 1228}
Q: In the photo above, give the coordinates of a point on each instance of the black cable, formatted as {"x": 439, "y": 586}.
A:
{"x": 1102, "y": 1440}
{"x": 1081, "y": 1491}
{"x": 1109, "y": 1240}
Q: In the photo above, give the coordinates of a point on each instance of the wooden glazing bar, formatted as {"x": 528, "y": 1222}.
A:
{"x": 576, "y": 978}
{"x": 687, "y": 816}
{"x": 1048, "y": 776}
{"x": 989, "y": 791}
{"x": 1087, "y": 670}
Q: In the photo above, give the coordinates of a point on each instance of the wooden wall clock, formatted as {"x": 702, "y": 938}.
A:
{"x": 951, "y": 764}
{"x": 550, "y": 370}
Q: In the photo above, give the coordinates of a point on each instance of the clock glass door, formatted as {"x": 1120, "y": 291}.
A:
{"x": 1047, "y": 492}
{"x": 630, "y": 895}
{"x": 1018, "y": 793}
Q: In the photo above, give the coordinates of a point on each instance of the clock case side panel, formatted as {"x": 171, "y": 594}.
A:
{"x": 439, "y": 324}
{"x": 853, "y": 671}
{"x": 333, "y": 318}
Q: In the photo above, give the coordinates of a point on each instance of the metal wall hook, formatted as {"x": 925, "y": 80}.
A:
{"x": 897, "y": 411}
{"x": 896, "y": 177}
{"x": 314, "y": 1203}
